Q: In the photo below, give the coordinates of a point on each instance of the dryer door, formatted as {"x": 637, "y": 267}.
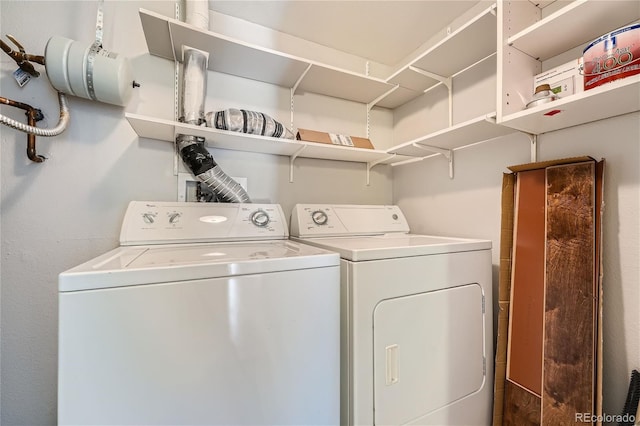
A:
{"x": 428, "y": 352}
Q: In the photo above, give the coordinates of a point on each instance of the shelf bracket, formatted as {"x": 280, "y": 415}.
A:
{"x": 448, "y": 153}
{"x": 292, "y": 160}
{"x": 379, "y": 98}
{"x": 375, "y": 163}
{"x": 375, "y": 101}
{"x": 447, "y": 81}
{"x": 293, "y": 92}
{"x": 533, "y": 139}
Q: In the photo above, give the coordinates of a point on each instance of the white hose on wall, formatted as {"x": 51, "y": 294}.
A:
{"x": 192, "y": 148}
{"x": 54, "y": 131}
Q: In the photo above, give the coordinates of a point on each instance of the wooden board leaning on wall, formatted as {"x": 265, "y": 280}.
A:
{"x": 548, "y": 362}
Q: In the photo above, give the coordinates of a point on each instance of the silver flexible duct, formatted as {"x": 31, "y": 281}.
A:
{"x": 194, "y": 86}
{"x": 192, "y": 149}
{"x": 203, "y": 166}
{"x": 54, "y": 131}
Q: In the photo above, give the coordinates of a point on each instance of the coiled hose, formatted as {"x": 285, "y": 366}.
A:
{"x": 203, "y": 166}
{"x": 54, "y": 131}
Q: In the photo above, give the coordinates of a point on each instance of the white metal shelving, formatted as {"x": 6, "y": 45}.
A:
{"x": 467, "y": 45}
{"x": 477, "y": 129}
{"x": 521, "y": 51}
{"x": 525, "y": 47}
{"x": 166, "y": 130}
{"x": 445, "y": 141}
{"x": 574, "y": 25}
{"x": 473, "y": 41}
{"x": 609, "y": 100}
{"x": 166, "y": 37}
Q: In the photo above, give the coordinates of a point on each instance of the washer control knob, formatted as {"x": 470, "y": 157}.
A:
{"x": 173, "y": 217}
{"x": 260, "y": 218}
{"x": 148, "y": 217}
{"x": 319, "y": 217}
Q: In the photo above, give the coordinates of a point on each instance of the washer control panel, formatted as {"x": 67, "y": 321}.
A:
{"x": 309, "y": 220}
{"x": 176, "y": 222}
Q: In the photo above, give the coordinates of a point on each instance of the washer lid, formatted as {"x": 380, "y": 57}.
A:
{"x": 389, "y": 246}
{"x": 153, "y": 264}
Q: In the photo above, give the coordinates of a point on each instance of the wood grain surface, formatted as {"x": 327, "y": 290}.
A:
{"x": 521, "y": 407}
{"x": 568, "y": 375}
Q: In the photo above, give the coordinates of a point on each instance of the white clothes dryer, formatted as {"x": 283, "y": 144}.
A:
{"x": 416, "y": 317}
{"x": 205, "y": 315}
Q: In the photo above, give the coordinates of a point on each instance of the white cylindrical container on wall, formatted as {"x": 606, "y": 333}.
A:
{"x": 88, "y": 71}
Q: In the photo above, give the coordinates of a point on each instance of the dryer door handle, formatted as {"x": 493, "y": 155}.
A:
{"x": 391, "y": 365}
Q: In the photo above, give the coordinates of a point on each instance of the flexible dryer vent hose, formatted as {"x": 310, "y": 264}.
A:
{"x": 203, "y": 166}
{"x": 194, "y": 88}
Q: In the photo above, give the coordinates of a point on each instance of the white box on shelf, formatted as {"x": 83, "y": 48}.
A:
{"x": 565, "y": 80}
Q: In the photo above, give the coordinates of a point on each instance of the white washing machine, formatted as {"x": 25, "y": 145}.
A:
{"x": 416, "y": 319}
{"x": 206, "y": 314}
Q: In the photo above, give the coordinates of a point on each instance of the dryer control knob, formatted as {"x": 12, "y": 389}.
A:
{"x": 260, "y": 218}
{"x": 319, "y": 217}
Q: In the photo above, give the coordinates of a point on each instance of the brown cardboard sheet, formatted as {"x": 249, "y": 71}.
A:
{"x": 333, "y": 139}
{"x": 600, "y": 167}
{"x": 506, "y": 241}
{"x": 549, "y": 163}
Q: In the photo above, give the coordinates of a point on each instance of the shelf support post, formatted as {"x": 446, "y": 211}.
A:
{"x": 448, "y": 154}
{"x": 292, "y": 160}
{"x": 447, "y": 81}
{"x": 370, "y": 165}
{"x": 176, "y": 101}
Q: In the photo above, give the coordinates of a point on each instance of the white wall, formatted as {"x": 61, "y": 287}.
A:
{"x": 67, "y": 210}
{"x": 469, "y": 206}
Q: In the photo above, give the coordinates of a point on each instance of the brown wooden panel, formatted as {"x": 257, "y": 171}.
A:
{"x": 521, "y": 407}
{"x": 527, "y": 286}
{"x": 568, "y": 382}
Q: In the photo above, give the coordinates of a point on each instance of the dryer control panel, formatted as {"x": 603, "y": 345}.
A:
{"x": 148, "y": 222}
{"x": 324, "y": 220}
